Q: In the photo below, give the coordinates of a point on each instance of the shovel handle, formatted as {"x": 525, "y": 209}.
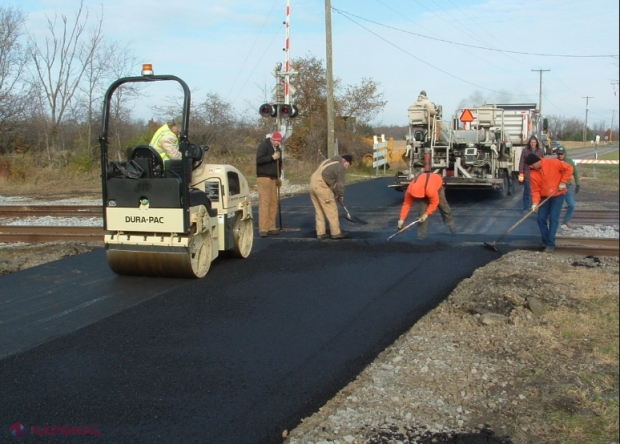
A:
{"x": 405, "y": 228}
{"x": 529, "y": 213}
{"x": 345, "y": 208}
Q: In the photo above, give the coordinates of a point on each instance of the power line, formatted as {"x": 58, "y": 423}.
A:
{"x": 417, "y": 58}
{"x": 472, "y": 46}
{"x": 500, "y": 67}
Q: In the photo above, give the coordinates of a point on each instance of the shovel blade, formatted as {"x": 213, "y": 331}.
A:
{"x": 491, "y": 246}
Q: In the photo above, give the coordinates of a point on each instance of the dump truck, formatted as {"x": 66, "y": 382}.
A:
{"x": 171, "y": 218}
{"x": 520, "y": 121}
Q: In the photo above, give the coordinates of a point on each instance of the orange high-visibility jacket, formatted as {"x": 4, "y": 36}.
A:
{"x": 425, "y": 185}
{"x": 547, "y": 179}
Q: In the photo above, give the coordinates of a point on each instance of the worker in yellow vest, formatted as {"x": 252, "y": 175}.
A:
{"x": 166, "y": 141}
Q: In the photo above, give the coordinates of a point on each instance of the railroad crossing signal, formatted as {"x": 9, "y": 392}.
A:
{"x": 280, "y": 109}
{"x": 289, "y": 111}
{"x": 267, "y": 110}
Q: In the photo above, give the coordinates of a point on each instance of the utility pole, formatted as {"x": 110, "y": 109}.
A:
{"x": 585, "y": 127}
{"x": 611, "y": 129}
{"x": 540, "y": 89}
{"x": 331, "y": 150}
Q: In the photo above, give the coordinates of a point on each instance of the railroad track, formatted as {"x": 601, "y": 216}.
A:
{"x": 19, "y": 211}
{"x": 591, "y": 217}
{"x": 595, "y": 246}
{"x": 580, "y": 217}
{"x": 44, "y": 233}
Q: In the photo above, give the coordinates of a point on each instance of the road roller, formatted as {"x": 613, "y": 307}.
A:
{"x": 171, "y": 218}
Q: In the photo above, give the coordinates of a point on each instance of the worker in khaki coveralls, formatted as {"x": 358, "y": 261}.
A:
{"x": 268, "y": 167}
{"x": 327, "y": 185}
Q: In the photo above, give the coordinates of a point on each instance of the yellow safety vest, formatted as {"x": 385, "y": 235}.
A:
{"x": 155, "y": 140}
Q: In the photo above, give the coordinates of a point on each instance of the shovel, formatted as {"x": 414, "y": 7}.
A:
{"x": 355, "y": 220}
{"x": 404, "y": 228}
{"x": 491, "y": 246}
{"x": 280, "y": 206}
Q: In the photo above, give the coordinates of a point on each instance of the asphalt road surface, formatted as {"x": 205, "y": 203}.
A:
{"x": 249, "y": 350}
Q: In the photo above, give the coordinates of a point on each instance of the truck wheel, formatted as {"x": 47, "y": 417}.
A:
{"x": 502, "y": 192}
{"x": 243, "y": 233}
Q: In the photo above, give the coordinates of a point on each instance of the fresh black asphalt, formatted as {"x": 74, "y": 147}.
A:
{"x": 242, "y": 354}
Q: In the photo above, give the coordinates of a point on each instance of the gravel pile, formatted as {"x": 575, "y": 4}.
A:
{"x": 467, "y": 371}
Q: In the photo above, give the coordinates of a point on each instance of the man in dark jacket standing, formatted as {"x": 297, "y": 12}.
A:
{"x": 327, "y": 186}
{"x": 268, "y": 167}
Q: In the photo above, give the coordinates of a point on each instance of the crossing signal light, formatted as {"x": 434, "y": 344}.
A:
{"x": 289, "y": 111}
{"x": 283, "y": 110}
{"x": 267, "y": 110}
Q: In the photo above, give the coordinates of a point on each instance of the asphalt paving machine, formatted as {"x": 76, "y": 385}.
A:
{"x": 171, "y": 218}
{"x": 479, "y": 156}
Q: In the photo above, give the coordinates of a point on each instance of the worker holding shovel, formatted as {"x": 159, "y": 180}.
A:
{"x": 548, "y": 178}
{"x": 428, "y": 188}
{"x": 327, "y": 186}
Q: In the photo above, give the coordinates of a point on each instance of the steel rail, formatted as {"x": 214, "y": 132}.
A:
{"x": 19, "y": 211}
{"x": 606, "y": 217}
{"x": 44, "y": 233}
{"x": 599, "y": 246}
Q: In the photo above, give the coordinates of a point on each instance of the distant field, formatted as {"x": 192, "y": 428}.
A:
{"x": 574, "y": 145}
{"x": 614, "y": 155}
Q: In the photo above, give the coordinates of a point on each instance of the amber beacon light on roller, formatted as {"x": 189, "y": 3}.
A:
{"x": 147, "y": 69}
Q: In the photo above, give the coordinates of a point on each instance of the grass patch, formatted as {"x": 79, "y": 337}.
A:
{"x": 586, "y": 409}
{"x": 614, "y": 155}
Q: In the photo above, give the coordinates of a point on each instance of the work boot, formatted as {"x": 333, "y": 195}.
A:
{"x": 452, "y": 228}
{"x": 421, "y": 237}
{"x": 322, "y": 236}
{"x": 262, "y": 234}
{"x": 273, "y": 232}
{"x": 341, "y": 235}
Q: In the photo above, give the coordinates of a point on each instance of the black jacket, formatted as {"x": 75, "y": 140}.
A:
{"x": 265, "y": 165}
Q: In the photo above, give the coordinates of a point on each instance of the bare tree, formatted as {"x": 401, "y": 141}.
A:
{"x": 110, "y": 62}
{"x": 214, "y": 122}
{"x": 60, "y": 65}
{"x": 13, "y": 95}
{"x": 363, "y": 102}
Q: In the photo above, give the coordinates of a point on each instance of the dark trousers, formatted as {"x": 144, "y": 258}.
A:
{"x": 549, "y": 220}
{"x": 570, "y": 204}
{"x": 444, "y": 209}
{"x": 527, "y": 194}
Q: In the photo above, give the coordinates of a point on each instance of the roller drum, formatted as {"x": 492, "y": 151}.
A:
{"x": 180, "y": 262}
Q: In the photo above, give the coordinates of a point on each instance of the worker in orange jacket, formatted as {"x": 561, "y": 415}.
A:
{"x": 548, "y": 177}
{"x": 428, "y": 188}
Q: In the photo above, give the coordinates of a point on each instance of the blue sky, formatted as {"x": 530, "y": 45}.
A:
{"x": 230, "y": 47}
